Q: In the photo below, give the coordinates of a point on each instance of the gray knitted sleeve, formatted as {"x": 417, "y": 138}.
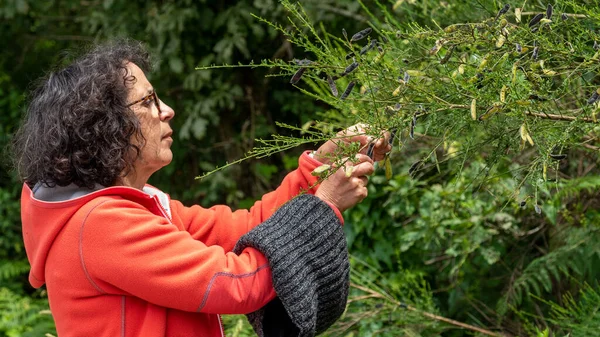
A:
{"x": 306, "y": 249}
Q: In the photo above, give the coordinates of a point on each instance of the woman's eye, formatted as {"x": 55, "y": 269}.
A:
{"x": 148, "y": 100}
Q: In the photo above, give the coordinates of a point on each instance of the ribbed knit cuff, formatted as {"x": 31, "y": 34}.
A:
{"x": 306, "y": 249}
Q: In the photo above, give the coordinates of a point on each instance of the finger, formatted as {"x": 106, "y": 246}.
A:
{"x": 379, "y": 154}
{"x": 356, "y": 129}
{"x": 356, "y": 133}
{"x": 361, "y": 158}
{"x": 363, "y": 169}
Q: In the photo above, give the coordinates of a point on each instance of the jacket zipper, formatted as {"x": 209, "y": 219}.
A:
{"x": 164, "y": 214}
{"x": 221, "y": 325}
{"x": 162, "y": 210}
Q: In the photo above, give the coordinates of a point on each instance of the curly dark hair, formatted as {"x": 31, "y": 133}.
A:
{"x": 78, "y": 128}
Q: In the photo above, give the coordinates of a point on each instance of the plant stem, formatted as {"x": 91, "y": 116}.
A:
{"x": 427, "y": 314}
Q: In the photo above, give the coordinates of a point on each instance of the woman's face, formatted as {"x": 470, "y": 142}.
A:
{"x": 156, "y": 152}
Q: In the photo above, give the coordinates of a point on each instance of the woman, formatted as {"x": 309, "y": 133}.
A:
{"x": 118, "y": 256}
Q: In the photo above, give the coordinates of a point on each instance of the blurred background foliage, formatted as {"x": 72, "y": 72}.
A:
{"x": 423, "y": 249}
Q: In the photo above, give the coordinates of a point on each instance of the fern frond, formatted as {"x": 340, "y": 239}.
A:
{"x": 9, "y": 269}
{"x": 24, "y": 316}
{"x": 574, "y": 187}
{"x": 570, "y": 258}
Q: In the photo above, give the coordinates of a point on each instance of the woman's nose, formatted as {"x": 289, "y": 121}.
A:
{"x": 166, "y": 112}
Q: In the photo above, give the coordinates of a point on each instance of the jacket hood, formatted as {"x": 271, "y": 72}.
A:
{"x": 46, "y": 210}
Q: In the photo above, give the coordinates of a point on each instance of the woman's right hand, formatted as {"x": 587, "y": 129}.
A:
{"x": 343, "y": 190}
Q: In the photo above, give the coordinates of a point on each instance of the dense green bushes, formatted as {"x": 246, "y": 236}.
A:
{"x": 449, "y": 241}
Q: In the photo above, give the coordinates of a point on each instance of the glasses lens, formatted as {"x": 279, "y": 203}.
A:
{"x": 156, "y": 101}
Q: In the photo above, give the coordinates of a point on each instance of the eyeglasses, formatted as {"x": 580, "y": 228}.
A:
{"x": 146, "y": 100}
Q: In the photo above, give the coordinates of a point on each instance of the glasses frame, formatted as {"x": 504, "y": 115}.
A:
{"x": 156, "y": 101}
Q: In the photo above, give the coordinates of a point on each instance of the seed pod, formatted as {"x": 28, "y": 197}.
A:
{"x": 321, "y": 170}
{"x": 523, "y": 131}
{"x": 348, "y": 90}
{"x": 361, "y": 35}
{"x": 564, "y": 17}
{"x": 396, "y": 91}
{"x": 518, "y": 12}
{"x": 559, "y": 156}
{"x": 518, "y": 48}
{"x": 348, "y": 171}
{"x": 370, "y": 149}
{"x": 545, "y": 171}
{"x": 484, "y": 62}
{"x": 536, "y": 19}
{"x": 303, "y": 62}
{"x": 514, "y": 72}
{"x": 345, "y": 34}
{"x": 537, "y": 208}
{"x": 474, "y": 109}
{"x": 549, "y": 11}
{"x": 368, "y": 47}
{"x": 392, "y": 136}
{"x": 452, "y": 28}
{"x": 503, "y": 93}
{"x": 496, "y": 107}
{"x": 436, "y": 48}
{"x": 297, "y": 76}
{"x": 595, "y": 96}
{"x": 529, "y": 139}
{"x": 349, "y": 69}
{"x": 500, "y": 41}
{"x": 447, "y": 56}
{"x": 502, "y": 10}
{"x": 415, "y": 167}
{"x": 523, "y": 203}
{"x": 537, "y": 98}
{"x": 413, "y": 123}
{"x": 332, "y": 86}
{"x": 350, "y": 55}
{"x": 388, "y": 167}
{"x": 535, "y": 53}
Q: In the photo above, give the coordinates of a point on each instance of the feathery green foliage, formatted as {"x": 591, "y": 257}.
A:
{"x": 499, "y": 87}
{"x": 22, "y": 316}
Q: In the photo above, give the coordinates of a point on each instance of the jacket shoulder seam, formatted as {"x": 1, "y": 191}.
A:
{"x": 83, "y": 266}
{"x": 232, "y": 275}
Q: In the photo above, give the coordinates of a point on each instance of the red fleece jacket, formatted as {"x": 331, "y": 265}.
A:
{"x": 116, "y": 264}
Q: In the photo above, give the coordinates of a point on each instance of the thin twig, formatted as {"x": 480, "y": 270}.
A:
{"x": 591, "y": 147}
{"x": 451, "y": 321}
{"x": 567, "y": 14}
{"x": 427, "y": 314}
{"x": 533, "y": 114}
{"x": 561, "y": 118}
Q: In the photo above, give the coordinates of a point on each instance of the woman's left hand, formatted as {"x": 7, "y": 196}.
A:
{"x": 355, "y": 133}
